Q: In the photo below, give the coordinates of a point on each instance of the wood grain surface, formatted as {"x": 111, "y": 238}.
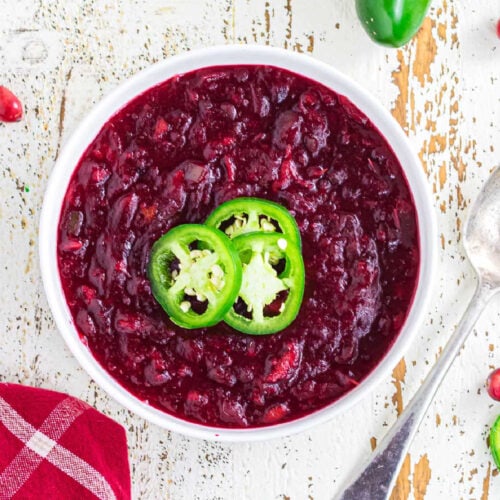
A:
{"x": 443, "y": 88}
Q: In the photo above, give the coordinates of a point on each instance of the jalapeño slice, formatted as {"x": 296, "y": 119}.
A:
{"x": 245, "y": 215}
{"x": 272, "y": 284}
{"x": 195, "y": 275}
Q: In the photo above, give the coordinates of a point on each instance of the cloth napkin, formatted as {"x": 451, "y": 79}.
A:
{"x": 53, "y": 446}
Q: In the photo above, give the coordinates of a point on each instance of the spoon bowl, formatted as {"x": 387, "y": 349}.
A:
{"x": 482, "y": 232}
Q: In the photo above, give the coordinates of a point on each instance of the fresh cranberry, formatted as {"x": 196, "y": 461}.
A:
{"x": 493, "y": 384}
{"x": 11, "y": 109}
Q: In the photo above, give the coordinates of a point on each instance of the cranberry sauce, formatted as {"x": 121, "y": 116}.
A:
{"x": 175, "y": 153}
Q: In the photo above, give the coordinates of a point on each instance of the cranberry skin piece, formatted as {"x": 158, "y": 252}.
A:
{"x": 493, "y": 384}
{"x": 11, "y": 109}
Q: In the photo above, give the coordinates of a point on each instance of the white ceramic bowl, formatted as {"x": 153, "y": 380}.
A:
{"x": 88, "y": 129}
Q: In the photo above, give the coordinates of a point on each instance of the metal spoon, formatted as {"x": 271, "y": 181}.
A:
{"x": 374, "y": 481}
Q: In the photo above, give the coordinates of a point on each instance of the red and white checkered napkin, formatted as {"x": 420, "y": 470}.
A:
{"x": 53, "y": 446}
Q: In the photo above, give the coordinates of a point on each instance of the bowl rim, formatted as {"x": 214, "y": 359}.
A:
{"x": 313, "y": 69}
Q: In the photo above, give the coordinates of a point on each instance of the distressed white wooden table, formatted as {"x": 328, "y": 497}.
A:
{"x": 444, "y": 88}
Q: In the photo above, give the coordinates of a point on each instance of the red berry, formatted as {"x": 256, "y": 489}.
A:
{"x": 11, "y": 109}
{"x": 498, "y": 28}
{"x": 493, "y": 384}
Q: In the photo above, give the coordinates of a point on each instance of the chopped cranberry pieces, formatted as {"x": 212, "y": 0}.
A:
{"x": 11, "y": 109}
{"x": 231, "y": 411}
{"x": 175, "y": 153}
{"x": 285, "y": 365}
{"x": 275, "y": 413}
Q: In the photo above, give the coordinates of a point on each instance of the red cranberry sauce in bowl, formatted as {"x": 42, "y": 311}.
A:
{"x": 175, "y": 153}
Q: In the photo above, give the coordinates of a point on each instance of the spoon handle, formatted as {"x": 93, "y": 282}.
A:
{"x": 374, "y": 481}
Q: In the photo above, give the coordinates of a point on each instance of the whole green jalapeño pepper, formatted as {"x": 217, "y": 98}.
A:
{"x": 195, "y": 274}
{"x": 392, "y": 22}
{"x": 272, "y": 283}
